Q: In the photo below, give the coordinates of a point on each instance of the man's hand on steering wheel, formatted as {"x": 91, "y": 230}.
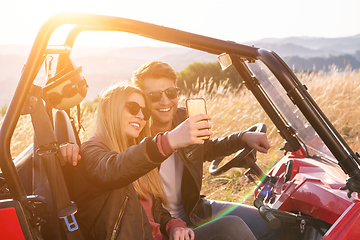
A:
{"x": 256, "y": 140}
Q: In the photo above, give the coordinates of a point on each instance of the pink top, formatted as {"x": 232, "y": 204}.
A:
{"x": 155, "y": 227}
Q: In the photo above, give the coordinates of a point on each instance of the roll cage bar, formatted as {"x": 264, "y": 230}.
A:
{"x": 239, "y": 53}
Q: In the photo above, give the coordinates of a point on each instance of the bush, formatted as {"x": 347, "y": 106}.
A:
{"x": 210, "y": 73}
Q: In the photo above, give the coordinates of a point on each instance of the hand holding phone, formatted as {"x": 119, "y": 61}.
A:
{"x": 195, "y": 106}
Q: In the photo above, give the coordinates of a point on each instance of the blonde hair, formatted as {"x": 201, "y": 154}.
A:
{"x": 109, "y": 129}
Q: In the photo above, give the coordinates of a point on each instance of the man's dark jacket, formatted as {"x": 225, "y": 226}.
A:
{"x": 193, "y": 158}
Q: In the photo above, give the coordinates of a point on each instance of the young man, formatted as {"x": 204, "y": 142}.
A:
{"x": 182, "y": 172}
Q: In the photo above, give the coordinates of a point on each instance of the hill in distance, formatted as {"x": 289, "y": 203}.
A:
{"x": 104, "y": 66}
{"x": 311, "y": 46}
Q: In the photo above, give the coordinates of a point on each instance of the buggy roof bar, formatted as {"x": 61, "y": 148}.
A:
{"x": 97, "y": 22}
{"x": 91, "y": 22}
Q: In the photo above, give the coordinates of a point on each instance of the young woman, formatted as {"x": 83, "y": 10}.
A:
{"x": 121, "y": 196}
{"x": 116, "y": 185}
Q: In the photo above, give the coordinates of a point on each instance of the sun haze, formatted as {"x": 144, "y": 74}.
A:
{"x": 229, "y": 20}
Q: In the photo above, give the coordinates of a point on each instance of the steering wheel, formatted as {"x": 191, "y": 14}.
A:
{"x": 239, "y": 157}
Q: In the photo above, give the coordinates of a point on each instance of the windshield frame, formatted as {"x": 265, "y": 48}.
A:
{"x": 298, "y": 94}
{"x": 288, "y": 110}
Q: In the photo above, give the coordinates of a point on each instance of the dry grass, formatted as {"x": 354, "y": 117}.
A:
{"x": 335, "y": 92}
{"x": 23, "y": 135}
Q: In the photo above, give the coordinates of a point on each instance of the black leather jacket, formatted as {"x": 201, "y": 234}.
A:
{"x": 108, "y": 207}
{"x": 193, "y": 158}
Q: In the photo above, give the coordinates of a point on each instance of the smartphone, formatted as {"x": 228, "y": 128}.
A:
{"x": 195, "y": 106}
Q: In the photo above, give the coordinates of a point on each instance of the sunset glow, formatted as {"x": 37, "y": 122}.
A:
{"x": 229, "y": 20}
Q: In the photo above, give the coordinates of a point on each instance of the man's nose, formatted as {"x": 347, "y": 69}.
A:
{"x": 164, "y": 99}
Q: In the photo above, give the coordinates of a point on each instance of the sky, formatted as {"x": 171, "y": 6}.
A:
{"x": 235, "y": 20}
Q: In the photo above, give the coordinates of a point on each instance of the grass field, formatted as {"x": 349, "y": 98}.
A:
{"x": 336, "y": 92}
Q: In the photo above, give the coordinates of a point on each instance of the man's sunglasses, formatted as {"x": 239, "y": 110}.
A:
{"x": 134, "y": 108}
{"x": 156, "y": 96}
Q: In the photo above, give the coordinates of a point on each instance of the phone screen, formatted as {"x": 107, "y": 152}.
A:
{"x": 195, "y": 106}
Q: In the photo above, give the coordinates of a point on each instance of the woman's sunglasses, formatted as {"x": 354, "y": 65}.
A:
{"x": 134, "y": 108}
{"x": 156, "y": 96}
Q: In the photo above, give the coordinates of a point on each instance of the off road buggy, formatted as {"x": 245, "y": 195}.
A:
{"x": 300, "y": 193}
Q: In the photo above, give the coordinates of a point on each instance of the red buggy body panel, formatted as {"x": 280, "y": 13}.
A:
{"x": 347, "y": 225}
{"x": 313, "y": 189}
